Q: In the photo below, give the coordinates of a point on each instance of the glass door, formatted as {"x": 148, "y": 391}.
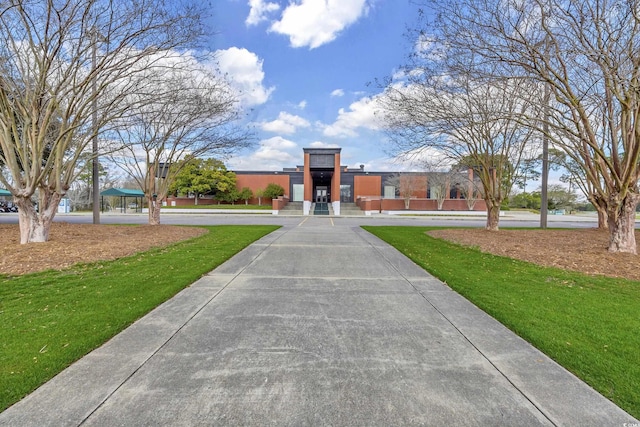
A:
{"x": 321, "y": 194}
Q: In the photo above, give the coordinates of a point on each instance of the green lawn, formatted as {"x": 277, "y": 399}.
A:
{"x": 590, "y": 325}
{"x": 51, "y": 319}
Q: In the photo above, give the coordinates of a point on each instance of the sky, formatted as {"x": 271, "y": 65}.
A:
{"x": 307, "y": 70}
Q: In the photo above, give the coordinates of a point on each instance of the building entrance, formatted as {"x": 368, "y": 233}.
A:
{"x": 321, "y": 195}
{"x": 321, "y": 178}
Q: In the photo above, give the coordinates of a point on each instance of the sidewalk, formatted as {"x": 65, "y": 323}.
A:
{"x": 316, "y": 324}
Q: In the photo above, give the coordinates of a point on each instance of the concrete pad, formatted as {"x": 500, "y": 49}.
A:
{"x": 563, "y": 398}
{"x": 359, "y": 358}
{"x": 320, "y": 261}
{"x": 76, "y": 392}
{"x": 334, "y": 329}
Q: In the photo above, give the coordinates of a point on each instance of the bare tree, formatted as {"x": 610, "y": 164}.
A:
{"x": 469, "y": 186}
{"x": 439, "y": 186}
{"x": 190, "y": 114}
{"x": 585, "y": 52}
{"x": 66, "y": 68}
{"x": 575, "y": 175}
{"x": 474, "y": 123}
{"x": 407, "y": 185}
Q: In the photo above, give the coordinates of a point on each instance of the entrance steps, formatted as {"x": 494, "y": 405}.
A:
{"x": 346, "y": 209}
{"x": 321, "y": 209}
{"x": 350, "y": 209}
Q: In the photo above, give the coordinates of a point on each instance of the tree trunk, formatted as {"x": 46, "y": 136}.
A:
{"x": 35, "y": 225}
{"x": 407, "y": 202}
{"x": 600, "y": 204}
{"x": 493, "y": 215}
{"x": 621, "y": 219}
{"x": 196, "y": 201}
{"x": 440, "y": 204}
{"x": 602, "y": 218}
{"x": 154, "y": 210}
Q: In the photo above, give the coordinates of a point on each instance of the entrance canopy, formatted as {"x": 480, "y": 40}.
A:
{"x": 124, "y": 194}
{"x": 4, "y": 193}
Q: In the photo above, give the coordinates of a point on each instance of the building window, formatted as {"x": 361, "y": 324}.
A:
{"x": 389, "y": 192}
{"x": 321, "y": 160}
{"x": 345, "y": 193}
{"x": 454, "y": 193}
{"x": 298, "y": 193}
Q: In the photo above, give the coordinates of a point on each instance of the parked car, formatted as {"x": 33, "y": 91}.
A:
{"x": 8, "y": 206}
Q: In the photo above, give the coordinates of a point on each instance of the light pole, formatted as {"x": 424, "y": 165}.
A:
{"x": 545, "y": 143}
{"x": 545, "y": 160}
{"x": 95, "y": 167}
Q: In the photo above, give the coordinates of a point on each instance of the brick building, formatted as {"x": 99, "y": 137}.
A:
{"x": 322, "y": 179}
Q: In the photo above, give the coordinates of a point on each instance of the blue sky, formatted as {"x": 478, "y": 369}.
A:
{"x": 303, "y": 67}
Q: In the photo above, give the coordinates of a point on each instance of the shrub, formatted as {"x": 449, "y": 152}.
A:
{"x": 273, "y": 191}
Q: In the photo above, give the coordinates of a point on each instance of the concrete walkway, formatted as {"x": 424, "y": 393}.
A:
{"x": 316, "y": 324}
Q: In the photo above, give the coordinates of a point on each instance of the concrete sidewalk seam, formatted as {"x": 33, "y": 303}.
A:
{"x": 446, "y": 318}
{"x": 173, "y": 335}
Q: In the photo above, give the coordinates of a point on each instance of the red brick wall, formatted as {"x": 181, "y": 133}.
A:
{"x": 376, "y": 204}
{"x": 367, "y": 185}
{"x": 416, "y": 183}
{"x": 414, "y": 205}
{"x": 261, "y": 181}
{"x": 461, "y": 205}
{"x": 335, "y": 181}
{"x": 279, "y": 203}
{"x": 307, "y": 180}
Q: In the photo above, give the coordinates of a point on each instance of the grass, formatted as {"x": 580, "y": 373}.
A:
{"x": 587, "y": 324}
{"x": 53, "y": 318}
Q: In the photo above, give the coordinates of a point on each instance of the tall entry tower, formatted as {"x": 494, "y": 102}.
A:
{"x": 322, "y": 178}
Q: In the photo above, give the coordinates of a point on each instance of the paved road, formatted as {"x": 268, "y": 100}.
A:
{"x": 319, "y": 323}
{"x": 509, "y": 219}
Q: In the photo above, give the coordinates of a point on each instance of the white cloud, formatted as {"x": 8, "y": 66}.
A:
{"x": 273, "y": 154}
{"x": 275, "y": 148}
{"x": 426, "y": 159}
{"x": 259, "y": 11}
{"x": 361, "y": 114}
{"x": 320, "y": 144}
{"x": 386, "y": 164}
{"x": 285, "y": 123}
{"x": 337, "y": 93}
{"x": 302, "y": 105}
{"x": 316, "y": 22}
{"x": 244, "y": 70}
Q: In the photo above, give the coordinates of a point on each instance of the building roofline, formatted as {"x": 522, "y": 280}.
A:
{"x": 322, "y": 150}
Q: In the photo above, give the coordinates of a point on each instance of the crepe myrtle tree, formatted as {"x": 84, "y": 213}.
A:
{"x": 190, "y": 113}
{"x": 585, "y": 53}
{"x": 245, "y": 194}
{"x": 407, "y": 186}
{"x": 468, "y": 185}
{"x": 574, "y": 173}
{"x": 468, "y": 121}
{"x": 66, "y": 71}
{"x": 439, "y": 185}
{"x": 259, "y": 194}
